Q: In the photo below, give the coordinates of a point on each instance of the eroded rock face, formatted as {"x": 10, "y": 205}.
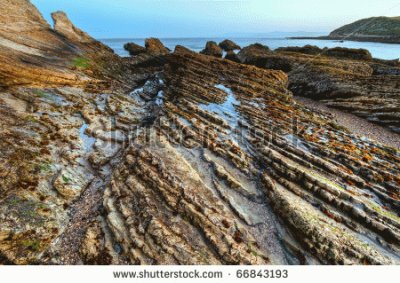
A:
{"x": 190, "y": 159}
{"x": 228, "y": 45}
{"x": 358, "y": 84}
{"x": 212, "y": 49}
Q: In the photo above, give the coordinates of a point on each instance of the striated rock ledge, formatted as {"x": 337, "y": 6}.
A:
{"x": 348, "y": 79}
{"x": 184, "y": 158}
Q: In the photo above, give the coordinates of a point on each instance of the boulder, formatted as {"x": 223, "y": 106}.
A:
{"x": 134, "y": 49}
{"x": 336, "y": 52}
{"x": 183, "y": 50}
{"x": 212, "y": 49}
{"x": 229, "y": 45}
{"x": 348, "y": 53}
{"x": 232, "y": 56}
{"x": 307, "y": 49}
{"x": 252, "y": 51}
{"x": 155, "y": 46}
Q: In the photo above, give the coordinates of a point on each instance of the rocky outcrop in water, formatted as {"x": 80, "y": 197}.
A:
{"x": 228, "y": 45}
{"x": 134, "y": 49}
{"x": 182, "y": 158}
{"x": 155, "y": 46}
{"x": 212, "y": 49}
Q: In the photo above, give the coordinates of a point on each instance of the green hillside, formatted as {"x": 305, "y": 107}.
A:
{"x": 376, "y": 26}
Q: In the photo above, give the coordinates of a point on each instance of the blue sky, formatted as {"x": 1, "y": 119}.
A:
{"x": 212, "y": 18}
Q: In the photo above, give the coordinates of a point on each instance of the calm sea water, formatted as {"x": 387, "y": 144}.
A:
{"x": 378, "y": 50}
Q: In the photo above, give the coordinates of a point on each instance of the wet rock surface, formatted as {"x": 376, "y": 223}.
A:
{"x": 183, "y": 158}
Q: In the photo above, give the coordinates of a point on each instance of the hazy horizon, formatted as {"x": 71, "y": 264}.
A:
{"x": 212, "y": 18}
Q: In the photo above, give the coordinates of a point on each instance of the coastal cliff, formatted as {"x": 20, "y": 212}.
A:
{"x": 175, "y": 157}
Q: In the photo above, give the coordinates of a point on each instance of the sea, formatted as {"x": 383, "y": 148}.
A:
{"x": 378, "y": 50}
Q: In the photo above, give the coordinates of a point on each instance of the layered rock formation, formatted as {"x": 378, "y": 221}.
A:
{"x": 343, "y": 78}
{"x": 183, "y": 158}
{"x": 30, "y": 51}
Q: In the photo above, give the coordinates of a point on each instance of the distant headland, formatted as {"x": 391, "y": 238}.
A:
{"x": 375, "y": 29}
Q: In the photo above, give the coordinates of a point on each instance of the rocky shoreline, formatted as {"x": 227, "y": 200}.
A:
{"x": 176, "y": 157}
{"x": 355, "y": 124}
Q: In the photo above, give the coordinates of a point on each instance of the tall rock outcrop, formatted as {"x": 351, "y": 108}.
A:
{"x": 31, "y": 52}
{"x": 155, "y": 46}
{"x": 64, "y": 26}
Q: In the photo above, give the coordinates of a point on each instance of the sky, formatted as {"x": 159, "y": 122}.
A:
{"x": 212, "y": 18}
